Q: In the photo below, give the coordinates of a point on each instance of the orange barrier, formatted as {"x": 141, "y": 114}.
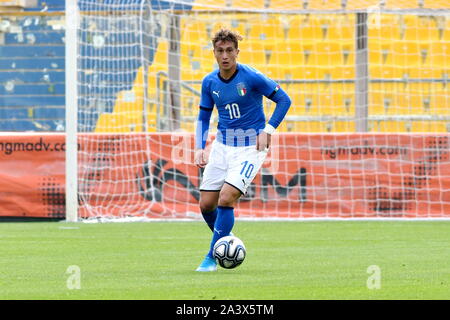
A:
{"x": 305, "y": 175}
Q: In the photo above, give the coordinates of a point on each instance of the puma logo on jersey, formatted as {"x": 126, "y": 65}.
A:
{"x": 216, "y": 93}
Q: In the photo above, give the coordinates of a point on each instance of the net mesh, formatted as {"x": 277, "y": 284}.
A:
{"x": 366, "y": 135}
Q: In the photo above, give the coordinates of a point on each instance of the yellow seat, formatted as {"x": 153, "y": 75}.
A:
{"x": 288, "y": 53}
{"x": 236, "y": 23}
{"x": 343, "y": 126}
{"x": 380, "y": 52}
{"x": 414, "y": 28}
{"x": 401, "y": 4}
{"x": 267, "y": 28}
{"x": 428, "y": 126}
{"x": 382, "y": 98}
{"x": 210, "y": 5}
{"x": 388, "y": 126}
{"x": 358, "y": 4}
{"x": 383, "y": 27}
{"x": 306, "y": 72}
{"x": 440, "y": 99}
{"x": 113, "y": 123}
{"x": 254, "y": 4}
{"x": 252, "y": 52}
{"x": 331, "y": 54}
{"x": 309, "y": 126}
{"x": 439, "y": 55}
{"x": 406, "y": 54}
{"x": 305, "y": 28}
{"x": 193, "y": 30}
{"x": 160, "y": 61}
{"x": 342, "y": 28}
{"x": 285, "y": 4}
{"x": 325, "y": 5}
{"x": 435, "y": 4}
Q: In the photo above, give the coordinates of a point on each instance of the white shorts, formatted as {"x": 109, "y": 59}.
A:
{"x": 236, "y": 166}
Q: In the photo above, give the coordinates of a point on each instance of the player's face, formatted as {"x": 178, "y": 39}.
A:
{"x": 226, "y": 55}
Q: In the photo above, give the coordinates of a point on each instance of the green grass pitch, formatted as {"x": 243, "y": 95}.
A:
{"x": 285, "y": 260}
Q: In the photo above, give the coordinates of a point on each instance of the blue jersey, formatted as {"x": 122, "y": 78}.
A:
{"x": 239, "y": 101}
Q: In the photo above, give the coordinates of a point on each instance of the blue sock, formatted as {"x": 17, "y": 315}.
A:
{"x": 210, "y": 218}
{"x": 223, "y": 226}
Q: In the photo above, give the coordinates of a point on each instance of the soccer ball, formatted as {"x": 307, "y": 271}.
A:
{"x": 229, "y": 252}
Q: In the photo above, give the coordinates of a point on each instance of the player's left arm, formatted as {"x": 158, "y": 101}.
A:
{"x": 274, "y": 92}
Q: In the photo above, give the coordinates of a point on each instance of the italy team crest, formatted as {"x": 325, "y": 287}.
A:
{"x": 242, "y": 90}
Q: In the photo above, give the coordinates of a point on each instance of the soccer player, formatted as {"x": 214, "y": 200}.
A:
{"x": 243, "y": 138}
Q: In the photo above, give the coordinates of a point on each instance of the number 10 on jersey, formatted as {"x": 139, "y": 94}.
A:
{"x": 233, "y": 110}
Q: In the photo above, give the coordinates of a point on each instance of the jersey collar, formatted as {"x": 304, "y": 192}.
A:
{"x": 231, "y": 78}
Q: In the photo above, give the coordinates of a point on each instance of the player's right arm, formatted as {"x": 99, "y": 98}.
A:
{"x": 201, "y": 132}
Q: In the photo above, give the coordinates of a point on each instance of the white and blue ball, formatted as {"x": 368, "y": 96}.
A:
{"x": 229, "y": 252}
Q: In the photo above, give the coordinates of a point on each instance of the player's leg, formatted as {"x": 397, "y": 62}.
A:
{"x": 208, "y": 207}
{"x": 225, "y": 214}
{"x": 243, "y": 167}
{"x": 212, "y": 181}
{"x": 209, "y": 210}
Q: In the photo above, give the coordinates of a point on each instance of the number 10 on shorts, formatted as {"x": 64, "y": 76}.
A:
{"x": 247, "y": 169}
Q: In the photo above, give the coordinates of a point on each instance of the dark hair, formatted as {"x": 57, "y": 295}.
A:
{"x": 226, "y": 35}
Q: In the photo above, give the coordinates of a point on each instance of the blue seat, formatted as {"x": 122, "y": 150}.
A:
{"x": 17, "y": 125}
{"x": 33, "y": 76}
{"x": 49, "y": 113}
{"x": 31, "y": 51}
{"x": 35, "y": 38}
{"x": 34, "y": 89}
{"x": 20, "y": 101}
{"x": 32, "y": 63}
{"x": 14, "y": 113}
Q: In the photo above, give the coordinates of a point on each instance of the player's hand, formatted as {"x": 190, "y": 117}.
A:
{"x": 200, "y": 158}
{"x": 263, "y": 141}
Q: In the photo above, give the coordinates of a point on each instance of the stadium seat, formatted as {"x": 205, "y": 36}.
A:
{"x": 406, "y": 54}
{"x": 210, "y": 5}
{"x": 435, "y": 4}
{"x": 388, "y": 126}
{"x": 329, "y": 54}
{"x": 112, "y": 123}
{"x": 193, "y": 31}
{"x": 381, "y": 98}
{"x": 401, "y": 4}
{"x": 343, "y": 126}
{"x": 418, "y": 28}
{"x": 288, "y": 53}
{"x": 324, "y": 5}
{"x": 440, "y": 99}
{"x": 429, "y": 126}
{"x": 342, "y": 29}
{"x": 383, "y": 27}
{"x": 380, "y": 52}
{"x": 285, "y": 4}
{"x": 358, "y": 4}
{"x": 253, "y": 53}
{"x": 439, "y": 54}
{"x": 236, "y": 22}
{"x": 306, "y": 72}
{"x": 305, "y": 28}
{"x": 308, "y": 126}
{"x": 267, "y": 28}
{"x": 15, "y": 113}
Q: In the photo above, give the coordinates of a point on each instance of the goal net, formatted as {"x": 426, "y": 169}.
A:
{"x": 366, "y": 135}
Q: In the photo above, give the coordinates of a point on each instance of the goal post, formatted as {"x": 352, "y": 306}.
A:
{"x": 71, "y": 46}
{"x": 367, "y": 135}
